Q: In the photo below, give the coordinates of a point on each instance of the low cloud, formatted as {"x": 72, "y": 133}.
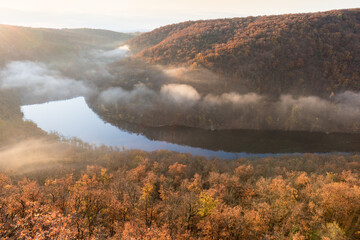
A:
{"x": 351, "y": 99}
{"x": 128, "y": 86}
{"x": 109, "y": 56}
{"x": 36, "y": 82}
{"x": 231, "y": 110}
{"x": 311, "y": 113}
{"x": 138, "y": 99}
{"x": 180, "y": 94}
{"x": 233, "y": 98}
{"x": 31, "y": 155}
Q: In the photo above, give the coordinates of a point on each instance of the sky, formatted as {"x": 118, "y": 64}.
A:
{"x": 145, "y": 15}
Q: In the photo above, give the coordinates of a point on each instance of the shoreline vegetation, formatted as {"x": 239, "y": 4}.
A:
{"x": 68, "y": 189}
{"x": 56, "y": 188}
{"x": 293, "y": 72}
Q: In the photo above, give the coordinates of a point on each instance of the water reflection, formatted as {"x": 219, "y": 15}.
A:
{"x": 254, "y": 141}
{"x": 73, "y": 118}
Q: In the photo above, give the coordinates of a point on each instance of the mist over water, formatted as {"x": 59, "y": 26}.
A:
{"x": 160, "y": 96}
{"x": 73, "y": 118}
{"x": 37, "y": 82}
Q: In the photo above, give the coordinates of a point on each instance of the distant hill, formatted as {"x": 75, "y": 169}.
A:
{"x": 40, "y": 44}
{"x": 313, "y": 53}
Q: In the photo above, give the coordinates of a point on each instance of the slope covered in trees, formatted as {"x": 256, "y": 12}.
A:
{"x": 41, "y": 44}
{"x": 66, "y": 189}
{"x": 315, "y": 53}
{"x": 12, "y": 127}
{"x": 165, "y": 195}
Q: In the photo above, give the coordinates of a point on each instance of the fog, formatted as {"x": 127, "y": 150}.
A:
{"x": 232, "y": 98}
{"x": 38, "y": 83}
{"x": 31, "y": 155}
{"x": 179, "y": 94}
{"x": 157, "y": 95}
{"x": 140, "y": 98}
{"x": 340, "y": 113}
{"x": 105, "y": 57}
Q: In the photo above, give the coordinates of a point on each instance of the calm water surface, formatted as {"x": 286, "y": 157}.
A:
{"x": 73, "y": 118}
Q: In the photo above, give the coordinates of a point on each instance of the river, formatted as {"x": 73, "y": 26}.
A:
{"x": 73, "y": 118}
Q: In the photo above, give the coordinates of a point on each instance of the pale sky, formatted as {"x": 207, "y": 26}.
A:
{"x": 145, "y": 15}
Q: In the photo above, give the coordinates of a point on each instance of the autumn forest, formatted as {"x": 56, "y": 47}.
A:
{"x": 286, "y": 73}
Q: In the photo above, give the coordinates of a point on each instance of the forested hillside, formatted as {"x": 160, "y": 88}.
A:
{"x": 41, "y": 44}
{"x": 66, "y": 189}
{"x": 165, "y": 195}
{"x": 12, "y": 127}
{"x": 314, "y": 53}
{"x": 56, "y": 188}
